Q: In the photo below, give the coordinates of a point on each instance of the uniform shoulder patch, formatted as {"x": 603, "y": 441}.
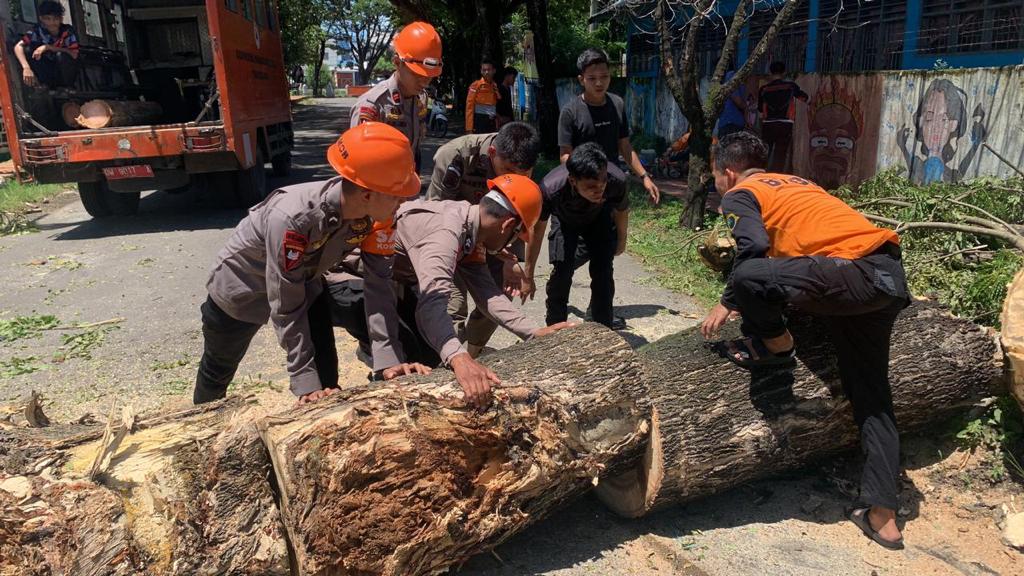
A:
{"x": 294, "y": 247}
{"x": 731, "y": 220}
{"x": 368, "y": 114}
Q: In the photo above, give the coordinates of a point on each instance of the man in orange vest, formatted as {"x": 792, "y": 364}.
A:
{"x": 482, "y": 101}
{"x": 797, "y": 245}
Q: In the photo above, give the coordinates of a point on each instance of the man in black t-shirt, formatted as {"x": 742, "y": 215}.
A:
{"x": 587, "y": 202}
{"x": 505, "y": 111}
{"x": 777, "y": 102}
{"x": 599, "y": 116}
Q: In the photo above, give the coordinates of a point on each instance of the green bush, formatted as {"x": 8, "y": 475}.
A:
{"x": 968, "y": 272}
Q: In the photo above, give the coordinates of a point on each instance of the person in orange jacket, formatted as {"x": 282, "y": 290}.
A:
{"x": 799, "y": 246}
{"x": 482, "y": 101}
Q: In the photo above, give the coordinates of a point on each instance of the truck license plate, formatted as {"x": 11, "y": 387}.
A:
{"x": 122, "y": 172}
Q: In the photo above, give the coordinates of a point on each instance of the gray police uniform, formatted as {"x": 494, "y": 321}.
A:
{"x": 385, "y": 103}
{"x": 462, "y": 168}
{"x": 435, "y": 244}
{"x": 271, "y": 268}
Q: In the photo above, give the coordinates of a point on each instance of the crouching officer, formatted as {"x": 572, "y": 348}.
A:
{"x": 799, "y": 246}
{"x": 272, "y": 265}
{"x": 588, "y": 204}
{"x": 399, "y": 101}
{"x": 462, "y": 169}
{"x": 436, "y": 242}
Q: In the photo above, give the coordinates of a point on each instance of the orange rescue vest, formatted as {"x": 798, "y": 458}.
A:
{"x": 802, "y": 219}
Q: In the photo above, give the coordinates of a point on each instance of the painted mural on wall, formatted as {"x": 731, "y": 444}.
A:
{"x": 935, "y": 125}
{"x": 835, "y": 136}
{"x": 940, "y": 130}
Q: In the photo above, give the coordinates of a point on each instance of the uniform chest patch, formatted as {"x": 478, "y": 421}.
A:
{"x": 294, "y": 247}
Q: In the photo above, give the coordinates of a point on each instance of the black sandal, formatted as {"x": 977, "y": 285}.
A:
{"x": 753, "y": 353}
{"x": 859, "y": 516}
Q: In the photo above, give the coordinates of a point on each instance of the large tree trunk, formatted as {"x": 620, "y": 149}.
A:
{"x": 183, "y": 493}
{"x": 109, "y": 113}
{"x": 403, "y": 478}
{"x": 396, "y": 478}
{"x": 718, "y": 426}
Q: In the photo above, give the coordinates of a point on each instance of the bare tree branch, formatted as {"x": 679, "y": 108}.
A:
{"x": 732, "y": 39}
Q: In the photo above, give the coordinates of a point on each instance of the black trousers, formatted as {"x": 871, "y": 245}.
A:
{"x": 858, "y": 300}
{"x": 226, "y": 339}
{"x": 348, "y": 311}
{"x": 484, "y": 124}
{"x": 778, "y": 136}
{"x": 571, "y": 247}
{"x": 54, "y": 70}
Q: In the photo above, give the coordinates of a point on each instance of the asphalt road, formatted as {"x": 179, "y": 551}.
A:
{"x": 147, "y": 273}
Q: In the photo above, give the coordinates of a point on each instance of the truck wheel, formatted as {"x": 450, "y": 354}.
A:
{"x": 282, "y": 164}
{"x": 123, "y": 203}
{"x": 252, "y": 183}
{"x": 93, "y": 195}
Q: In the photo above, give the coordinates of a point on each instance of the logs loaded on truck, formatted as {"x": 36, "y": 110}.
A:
{"x": 402, "y": 478}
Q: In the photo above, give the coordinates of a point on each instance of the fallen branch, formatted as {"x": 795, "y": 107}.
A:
{"x": 1016, "y": 239}
{"x": 89, "y": 325}
{"x": 988, "y": 214}
{"x": 955, "y": 253}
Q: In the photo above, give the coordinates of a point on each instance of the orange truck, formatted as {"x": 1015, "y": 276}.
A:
{"x": 205, "y": 90}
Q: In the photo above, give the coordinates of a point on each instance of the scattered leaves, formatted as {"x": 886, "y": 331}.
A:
{"x": 26, "y": 327}
{"x": 17, "y": 366}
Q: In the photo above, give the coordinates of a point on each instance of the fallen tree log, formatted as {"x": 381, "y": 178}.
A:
{"x": 393, "y": 478}
{"x": 182, "y": 493}
{"x": 403, "y": 478}
{"x": 718, "y": 426}
{"x": 111, "y": 113}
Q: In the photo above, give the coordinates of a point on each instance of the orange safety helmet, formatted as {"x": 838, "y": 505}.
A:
{"x": 525, "y": 197}
{"x": 376, "y": 156}
{"x": 419, "y": 46}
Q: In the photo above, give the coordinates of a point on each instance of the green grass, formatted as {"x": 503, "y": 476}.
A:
{"x": 15, "y": 198}
{"x": 667, "y": 250}
{"x": 14, "y": 195}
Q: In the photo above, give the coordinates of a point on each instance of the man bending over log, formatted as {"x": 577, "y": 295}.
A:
{"x": 272, "y": 266}
{"x": 432, "y": 244}
{"x": 799, "y": 246}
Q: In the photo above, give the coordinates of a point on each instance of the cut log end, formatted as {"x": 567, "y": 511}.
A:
{"x": 632, "y": 493}
{"x": 1012, "y": 337}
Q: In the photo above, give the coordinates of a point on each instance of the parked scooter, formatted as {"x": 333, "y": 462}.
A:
{"x": 437, "y": 123}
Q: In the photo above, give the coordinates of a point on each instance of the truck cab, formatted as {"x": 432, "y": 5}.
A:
{"x": 163, "y": 94}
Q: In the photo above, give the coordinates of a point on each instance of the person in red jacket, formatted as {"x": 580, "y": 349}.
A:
{"x": 799, "y": 246}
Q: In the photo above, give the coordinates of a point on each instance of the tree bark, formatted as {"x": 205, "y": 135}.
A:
{"x": 110, "y": 113}
{"x": 184, "y": 493}
{"x": 547, "y": 98}
{"x": 403, "y": 478}
{"x": 398, "y": 478}
{"x": 718, "y": 426}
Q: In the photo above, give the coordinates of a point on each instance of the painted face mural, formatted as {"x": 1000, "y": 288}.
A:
{"x": 835, "y": 126}
{"x": 941, "y": 135}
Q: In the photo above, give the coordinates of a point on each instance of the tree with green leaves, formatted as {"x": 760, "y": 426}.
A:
{"x": 365, "y": 28}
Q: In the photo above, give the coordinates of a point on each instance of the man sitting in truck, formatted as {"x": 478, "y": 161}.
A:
{"x": 48, "y": 53}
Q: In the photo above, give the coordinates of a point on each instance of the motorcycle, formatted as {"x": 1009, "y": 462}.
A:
{"x": 437, "y": 123}
{"x": 672, "y": 165}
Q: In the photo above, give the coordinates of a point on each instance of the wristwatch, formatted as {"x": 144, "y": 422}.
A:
{"x": 644, "y": 175}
